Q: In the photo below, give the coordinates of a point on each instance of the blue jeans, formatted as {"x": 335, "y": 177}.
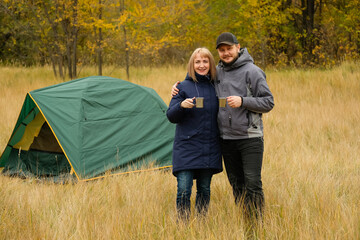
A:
{"x": 243, "y": 162}
{"x": 184, "y": 185}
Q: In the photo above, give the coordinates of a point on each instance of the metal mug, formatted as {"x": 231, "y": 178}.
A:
{"x": 199, "y": 102}
{"x": 222, "y": 102}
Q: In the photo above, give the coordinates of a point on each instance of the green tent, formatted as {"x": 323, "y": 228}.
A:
{"x": 92, "y": 127}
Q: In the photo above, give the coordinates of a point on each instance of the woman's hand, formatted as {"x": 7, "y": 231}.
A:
{"x": 188, "y": 103}
{"x": 174, "y": 89}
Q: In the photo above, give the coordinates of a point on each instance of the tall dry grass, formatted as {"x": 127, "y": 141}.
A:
{"x": 311, "y": 170}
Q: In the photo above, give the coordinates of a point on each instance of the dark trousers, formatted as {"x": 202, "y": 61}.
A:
{"x": 243, "y": 162}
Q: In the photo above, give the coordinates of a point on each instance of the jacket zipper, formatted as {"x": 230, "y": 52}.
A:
{"x": 230, "y": 119}
{"x": 248, "y": 118}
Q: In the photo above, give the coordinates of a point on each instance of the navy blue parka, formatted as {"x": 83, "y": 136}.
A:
{"x": 196, "y": 144}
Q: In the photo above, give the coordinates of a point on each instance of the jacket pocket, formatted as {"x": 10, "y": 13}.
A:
{"x": 187, "y": 133}
{"x": 240, "y": 124}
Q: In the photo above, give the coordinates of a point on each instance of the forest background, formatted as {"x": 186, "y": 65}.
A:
{"x": 311, "y": 168}
{"x": 71, "y": 34}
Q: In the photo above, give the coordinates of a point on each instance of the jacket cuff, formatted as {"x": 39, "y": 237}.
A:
{"x": 244, "y": 102}
{"x": 179, "y": 107}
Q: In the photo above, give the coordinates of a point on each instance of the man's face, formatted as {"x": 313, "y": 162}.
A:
{"x": 228, "y": 53}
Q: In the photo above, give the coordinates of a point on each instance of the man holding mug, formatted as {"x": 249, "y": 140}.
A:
{"x": 240, "y": 124}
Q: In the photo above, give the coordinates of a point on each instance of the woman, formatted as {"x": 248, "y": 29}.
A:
{"x": 196, "y": 150}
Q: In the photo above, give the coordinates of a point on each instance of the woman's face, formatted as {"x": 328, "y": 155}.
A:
{"x": 201, "y": 64}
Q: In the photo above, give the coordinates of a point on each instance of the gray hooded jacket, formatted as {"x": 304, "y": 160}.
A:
{"x": 243, "y": 78}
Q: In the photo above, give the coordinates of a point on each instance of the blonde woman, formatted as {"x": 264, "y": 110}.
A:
{"x": 196, "y": 150}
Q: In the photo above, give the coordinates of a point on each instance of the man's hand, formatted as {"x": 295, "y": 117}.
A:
{"x": 174, "y": 89}
{"x": 234, "y": 101}
{"x": 188, "y": 103}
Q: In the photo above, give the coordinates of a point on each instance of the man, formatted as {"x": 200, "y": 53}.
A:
{"x": 241, "y": 129}
{"x": 240, "y": 122}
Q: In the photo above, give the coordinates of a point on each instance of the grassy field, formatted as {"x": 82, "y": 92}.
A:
{"x": 311, "y": 170}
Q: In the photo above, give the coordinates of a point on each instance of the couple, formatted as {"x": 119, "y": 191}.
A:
{"x": 235, "y": 131}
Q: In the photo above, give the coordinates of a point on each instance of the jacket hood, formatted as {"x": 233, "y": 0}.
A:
{"x": 244, "y": 57}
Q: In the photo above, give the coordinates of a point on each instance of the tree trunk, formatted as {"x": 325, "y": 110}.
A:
{"x": 263, "y": 49}
{"x": 60, "y": 66}
{"x": 126, "y": 54}
{"x": 66, "y": 25}
{"x": 127, "y": 50}
{"x": 75, "y": 38}
{"x": 311, "y": 13}
{"x": 53, "y": 64}
{"x": 68, "y": 55}
{"x": 55, "y": 49}
{"x": 99, "y": 43}
{"x": 308, "y": 13}
{"x": 58, "y": 56}
{"x": 99, "y": 53}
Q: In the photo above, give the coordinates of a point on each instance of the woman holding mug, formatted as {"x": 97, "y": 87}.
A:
{"x": 196, "y": 150}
